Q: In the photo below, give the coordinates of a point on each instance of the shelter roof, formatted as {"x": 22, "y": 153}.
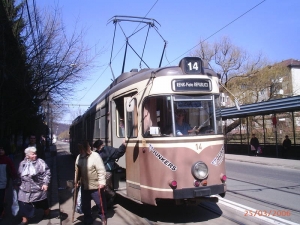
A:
{"x": 289, "y": 104}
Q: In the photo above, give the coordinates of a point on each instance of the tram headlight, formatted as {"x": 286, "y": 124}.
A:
{"x": 200, "y": 170}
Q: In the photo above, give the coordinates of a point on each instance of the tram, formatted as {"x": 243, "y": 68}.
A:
{"x": 162, "y": 161}
{"x": 170, "y": 118}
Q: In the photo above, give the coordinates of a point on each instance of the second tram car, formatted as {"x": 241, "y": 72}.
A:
{"x": 171, "y": 121}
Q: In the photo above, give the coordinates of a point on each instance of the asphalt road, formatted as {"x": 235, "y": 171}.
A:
{"x": 269, "y": 188}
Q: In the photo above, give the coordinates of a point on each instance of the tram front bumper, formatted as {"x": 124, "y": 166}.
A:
{"x": 199, "y": 191}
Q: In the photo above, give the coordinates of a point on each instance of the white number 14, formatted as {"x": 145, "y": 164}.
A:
{"x": 194, "y": 66}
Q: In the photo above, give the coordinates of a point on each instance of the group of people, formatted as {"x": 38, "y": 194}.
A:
{"x": 256, "y": 149}
{"x": 31, "y": 180}
{"x": 93, "y": 172}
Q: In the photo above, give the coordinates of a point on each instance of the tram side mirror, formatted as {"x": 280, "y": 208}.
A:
{"x": 130, "y": 105}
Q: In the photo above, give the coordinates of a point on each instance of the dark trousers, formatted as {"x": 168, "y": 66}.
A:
{"x": 253, "y": 152}
{"x": 2, "y": 196}
{"x": 86, "y": 196}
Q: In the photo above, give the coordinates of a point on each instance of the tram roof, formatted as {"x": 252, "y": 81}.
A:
{"x": 289, "y": 104}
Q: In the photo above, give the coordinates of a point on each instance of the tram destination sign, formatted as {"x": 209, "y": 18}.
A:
{"x": 191, "y": 85}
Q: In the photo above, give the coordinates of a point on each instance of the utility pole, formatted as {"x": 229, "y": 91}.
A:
{"x": 274, "y": 121}
{"x": 51, "y": 127}
{"x": 47, "y": 128}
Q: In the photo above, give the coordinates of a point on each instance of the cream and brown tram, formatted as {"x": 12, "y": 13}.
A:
{"x": 171, "y": 121}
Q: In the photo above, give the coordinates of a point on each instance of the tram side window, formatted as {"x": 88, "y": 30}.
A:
{"x": 132, "y": 128}
{"x": 97, "y": 128}
{"x": 103, "y": 122}
{"x": 149, "y": 115}
{"x": 97, "y": 125}
{"x": 120, "y": 127}
{"x": 157, "y": 118}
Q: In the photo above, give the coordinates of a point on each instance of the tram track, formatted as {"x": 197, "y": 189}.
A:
{"x": 237, "y": 192}
{"x": 270, "y": 188}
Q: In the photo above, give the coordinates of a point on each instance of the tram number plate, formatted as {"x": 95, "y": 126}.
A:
{"x": 202, "y": 192}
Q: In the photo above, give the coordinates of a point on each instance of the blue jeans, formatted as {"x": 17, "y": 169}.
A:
{"x": 86, "y": 196}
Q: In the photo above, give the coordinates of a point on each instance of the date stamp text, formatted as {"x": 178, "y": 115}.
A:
{"x": 267, "y": 213}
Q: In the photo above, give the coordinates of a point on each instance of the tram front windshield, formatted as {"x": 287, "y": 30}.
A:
{"x": 179, "y": 115}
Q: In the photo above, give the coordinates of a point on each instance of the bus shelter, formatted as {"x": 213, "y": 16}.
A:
{"x": 270, "y": 121}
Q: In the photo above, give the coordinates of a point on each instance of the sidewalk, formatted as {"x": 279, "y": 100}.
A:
{"x": 288, "y": 163}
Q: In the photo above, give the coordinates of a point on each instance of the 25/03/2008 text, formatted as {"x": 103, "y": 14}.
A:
{"x": 267, "y": 213}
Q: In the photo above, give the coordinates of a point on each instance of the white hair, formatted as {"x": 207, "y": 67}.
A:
{"x": 30, "y": 149}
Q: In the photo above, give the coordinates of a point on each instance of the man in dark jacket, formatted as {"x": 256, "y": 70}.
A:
{"x": 39, "y": 148}
{"x": 255, "y": 143}
{"x": 109, "y": 155}
{"x": 287, "y": 143}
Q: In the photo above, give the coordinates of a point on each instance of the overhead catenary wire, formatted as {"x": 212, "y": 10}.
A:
{"x": 217, "y": 31}
{"x": 169, "y": 62}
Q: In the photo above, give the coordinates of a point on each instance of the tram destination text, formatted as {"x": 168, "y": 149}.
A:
{"x": 191, "y": 85}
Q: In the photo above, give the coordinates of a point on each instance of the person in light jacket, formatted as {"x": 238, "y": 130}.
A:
{"x": 90, "y": 170}
{"x": 35, "y": 178}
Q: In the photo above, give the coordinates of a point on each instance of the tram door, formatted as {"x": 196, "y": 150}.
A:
{"x": 117, "y": 127}
{"x": 132, "y": 150}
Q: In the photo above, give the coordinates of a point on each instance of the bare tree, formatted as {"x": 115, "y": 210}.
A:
{"x": 57, "y": 61}
{"x": 250, "y": 78}
{"x": 225, "y": 58}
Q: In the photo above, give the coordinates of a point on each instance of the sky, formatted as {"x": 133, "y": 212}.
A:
{"x": 268, "y": 26}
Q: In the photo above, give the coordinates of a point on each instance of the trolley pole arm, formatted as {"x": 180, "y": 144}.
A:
{"x": 236, "y": 101}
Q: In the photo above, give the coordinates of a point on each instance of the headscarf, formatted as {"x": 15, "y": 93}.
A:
{"x": 28, "y": 169}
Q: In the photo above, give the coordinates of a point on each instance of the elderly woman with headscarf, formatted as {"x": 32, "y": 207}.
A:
{"x": 35, "y": 178}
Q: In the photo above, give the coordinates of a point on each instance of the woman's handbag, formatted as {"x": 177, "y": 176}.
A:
{"x": 259, "y": 150}
{"x": 252, "y": 148}
{"x": 15, "y": 204}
